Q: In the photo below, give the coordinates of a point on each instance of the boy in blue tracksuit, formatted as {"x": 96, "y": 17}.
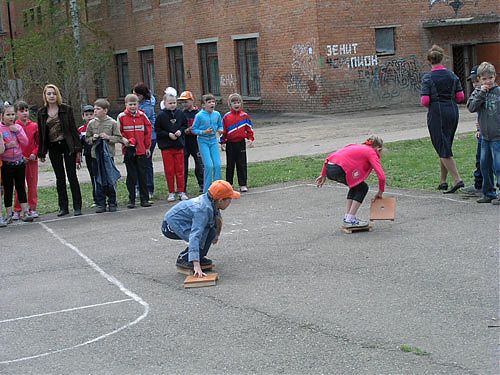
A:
{"x": 198, "y": 222}
{"x": 208, "y": 127}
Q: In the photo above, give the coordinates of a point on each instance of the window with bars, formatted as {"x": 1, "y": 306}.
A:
{"x": 209, "y": 64}
{"x": 123, "y": 77}
{"x": 384, "y": 41}
{"x": 148, "y": 69}
{"x": 248, "y": 67}
{"x": 176, "y": 65}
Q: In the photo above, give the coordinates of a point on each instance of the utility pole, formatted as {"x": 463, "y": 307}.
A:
{"x": 75, "y": 24}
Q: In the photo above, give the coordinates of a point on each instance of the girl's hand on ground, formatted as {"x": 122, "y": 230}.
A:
{"x": 377, "y": 196}
{"x": 320, "y": 181}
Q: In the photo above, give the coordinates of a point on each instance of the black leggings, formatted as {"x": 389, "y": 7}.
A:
{"x": 13, "y": 175}
{"x": 356, "y": 193}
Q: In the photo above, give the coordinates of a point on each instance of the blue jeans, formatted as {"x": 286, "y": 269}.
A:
{"x": 209, "y": 151}
{"x": 490, "y": 166}
{"x": 478, "y": 177}
{"x": 167, "y": 232}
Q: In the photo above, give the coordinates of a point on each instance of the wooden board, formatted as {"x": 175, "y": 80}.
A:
{"x": 198, "y": 282}
{"x": 350, "y": 230}
{"x": 383, "y": 209}
{"x": 186, "y": 271}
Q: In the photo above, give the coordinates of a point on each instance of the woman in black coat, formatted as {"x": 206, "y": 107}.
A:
{"x": 58, "y": 135}
{"x": 441, "y": 91}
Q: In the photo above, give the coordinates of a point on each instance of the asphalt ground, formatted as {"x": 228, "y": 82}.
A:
{"x": 99, "y": 293}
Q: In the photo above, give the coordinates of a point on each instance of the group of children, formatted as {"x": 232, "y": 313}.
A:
{"x": 179, "y": 134}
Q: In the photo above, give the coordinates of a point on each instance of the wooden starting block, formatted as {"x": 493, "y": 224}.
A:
{"x": 188, "y": 272}
{"x": 350, "y": 230}
{"x": 383, "y": 209}
{"x": 198, "y": 282}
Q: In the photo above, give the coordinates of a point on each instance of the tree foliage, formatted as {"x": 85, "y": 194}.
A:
{"x": 44, "y": 53}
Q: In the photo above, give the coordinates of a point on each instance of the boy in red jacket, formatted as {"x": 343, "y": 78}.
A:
{"x": 29, "y": 153}
{"x": 237, "y": 128}
{"x": 136, "y": 131}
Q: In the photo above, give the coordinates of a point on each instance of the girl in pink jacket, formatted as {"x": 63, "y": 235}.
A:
{"x": 13, "y": 163}
{"x": 351, "y": 166}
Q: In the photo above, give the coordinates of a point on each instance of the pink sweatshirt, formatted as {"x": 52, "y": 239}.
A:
{"x": 13, "y": 152}
{"x": 357, "y": 161}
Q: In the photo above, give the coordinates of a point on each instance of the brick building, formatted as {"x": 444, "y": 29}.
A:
{"x": 289, "y": 55}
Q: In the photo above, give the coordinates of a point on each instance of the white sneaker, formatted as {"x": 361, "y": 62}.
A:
{"x": 355, "y": 223}
{"x": 183, "y": 197}
{"x": 171, "y": 197}
{"x": 34, "y": 214}
{"x": 16, "y": 215}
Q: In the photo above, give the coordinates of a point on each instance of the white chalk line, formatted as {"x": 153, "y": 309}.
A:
{"x": 108, "y": 277}
{"x": 64, "y": 310}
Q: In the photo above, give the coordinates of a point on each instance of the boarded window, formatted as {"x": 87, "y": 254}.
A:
{"x": 122, "y": 71}
{"x": 176, "y": 65}
{"x": 148, "y": 69}
{"x": 209, "y": 64}
{"x": 384, "y": 41}
{"x": 248, "y": 65}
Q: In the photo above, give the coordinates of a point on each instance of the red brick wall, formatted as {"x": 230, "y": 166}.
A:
{"x": 296, "y": 73}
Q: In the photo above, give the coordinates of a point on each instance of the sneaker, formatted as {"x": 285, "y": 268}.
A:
{"x": 16, "y": 215}
{"x": 3, "y": 224}
{"x": 243, "y": 189}
{"x": 485, "y": 199}
{"x": 470, "y": 190}
{"x": 496, "y": 202}
{"x": 26, "y": 217}
{"x": 171, "y": 197}
{"x": 183, "y": 263}
{"x": 183, "y": 197}
{"x": 8, "y": 220}
{"x": 34, "y": 214}
{"x": 205, "y": 261}
{"x": 93, "y": 205}
{"x": 112, "y": 208}
{"x": 145, "y": 204}
{"x": 355, "y": 223}
{"x": 131, "y": 205}
{"x": 100, "y": 209}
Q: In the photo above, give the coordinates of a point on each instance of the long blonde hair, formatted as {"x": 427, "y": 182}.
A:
{"x": 58, "y": 94}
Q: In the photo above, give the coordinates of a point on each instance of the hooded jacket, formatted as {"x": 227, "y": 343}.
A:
{"x": 148, "y": 107}
{"x": 137, "y": 129}
{"x": 169, "y": 122}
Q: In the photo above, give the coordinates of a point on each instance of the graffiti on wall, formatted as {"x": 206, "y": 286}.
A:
{"x": 346, "y": 56}
{"x": 302, "y": 79}
{"x": 455, "y": 4}
{"x": 392, "y": 78}
{"x": 227, "y": 80}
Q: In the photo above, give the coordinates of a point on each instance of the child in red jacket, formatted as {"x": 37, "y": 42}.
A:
{"x": 136, "y": 131}
{"x": 237, "y": 129}
{"x": 30, "y": 152}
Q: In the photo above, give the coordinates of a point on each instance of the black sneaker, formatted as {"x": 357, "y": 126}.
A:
{"x": 112, "y": 208}
{"x": 131, "y": 205}
{"x": 100, "y": 209}
{"x": 205, "y": 261}
{"x": 183, "y": 263}
{"x": 145, "y": 204}
{"x": 484, "y": 199}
